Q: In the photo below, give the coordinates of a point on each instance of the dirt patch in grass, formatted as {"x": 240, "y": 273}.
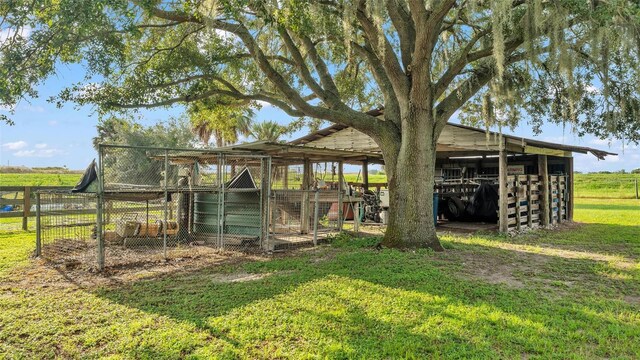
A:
{"x": 41, "y": 273}
{"x": 493, "y": 270}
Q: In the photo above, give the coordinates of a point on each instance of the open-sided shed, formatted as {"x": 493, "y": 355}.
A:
{"x": 534, "y": 178}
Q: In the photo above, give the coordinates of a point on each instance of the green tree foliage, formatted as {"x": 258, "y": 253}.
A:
{"x": 499, "y": 61}
{"x": 136, "y": 165}
{"x": 268, "y": 131}
{"x": 224, "y": 121}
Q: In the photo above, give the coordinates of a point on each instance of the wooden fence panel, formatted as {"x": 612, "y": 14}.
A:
{"x": 524, "y": 202}
{"x": 21, "y": 197}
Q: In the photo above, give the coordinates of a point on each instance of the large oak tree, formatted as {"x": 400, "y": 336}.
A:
{"x": 570, "y": 61}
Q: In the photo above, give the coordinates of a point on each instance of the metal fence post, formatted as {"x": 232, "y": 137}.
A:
{"x": 265, "y": 199}
{"x": 99, "y": 204}
{"x": 221, "y": 201}
{"x": 316, "y": 215}
{"x": 38, "y": 228}
{"x": 166, "y": 203}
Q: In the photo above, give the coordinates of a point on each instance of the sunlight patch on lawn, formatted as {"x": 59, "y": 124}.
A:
{"x": 351, "y": 317}
{"x": 616, "y": 261}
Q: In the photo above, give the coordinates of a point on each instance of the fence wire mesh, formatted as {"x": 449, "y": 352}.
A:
{"x": 149, "y": 204}
{"x": 304, "y": 206}
{"x": 66, "y": 225}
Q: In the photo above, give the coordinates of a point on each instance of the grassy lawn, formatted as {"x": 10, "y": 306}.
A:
{"x": 572, "y": 293}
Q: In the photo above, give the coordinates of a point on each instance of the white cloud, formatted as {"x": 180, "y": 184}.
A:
{"x": 43, "y": 153}
{"x": 554, "y": 139}
{"x": 264, "y": 104}
{"x": 6, "y": 108}
{"x": 31, "y": 108}
{"x": 53, "y": 122}
{"x": 591, "y": 89}
{"x": 613, "y": 158}
{"x": 16, "y": 145}
{"x": 41, "y": 146}
{"x": 596, "y": 141}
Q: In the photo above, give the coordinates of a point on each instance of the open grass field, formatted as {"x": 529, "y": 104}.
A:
{"x": 612, "y": 186}
{"x": 39, "y": 179}
{"x": 568, "y": 293}
{"x": 587, "y": 185}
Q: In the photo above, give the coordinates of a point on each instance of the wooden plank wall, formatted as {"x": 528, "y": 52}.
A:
{"x": 526, "y": 205}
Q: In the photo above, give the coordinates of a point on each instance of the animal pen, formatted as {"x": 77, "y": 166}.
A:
{"x": 140, "y": 204}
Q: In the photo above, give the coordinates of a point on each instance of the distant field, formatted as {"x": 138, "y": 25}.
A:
{"x": 606, "y": 186}
{"x": 37, "y": 179}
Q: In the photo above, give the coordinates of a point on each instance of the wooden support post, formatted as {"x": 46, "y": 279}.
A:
{"x": 559, "y": 192}
{"x": 316, "y": 216}
{"x": 285, "y": 186}
{"x": 365, "y": 174}
{"x": 340, "y": 194}
{"x": 503, "y": 200}
{"x": 529, "y": 210}
{"x": 637, "y": 190}
{"x": 516, "y": 194}
{"x": 285, "y": 180}
{"x": 356, "y": 218}
{"x": 543, "y": 173}
{"x": 571, "y": 186}
{"x": 304, "y": 204}
{"x": 26, "y": 210}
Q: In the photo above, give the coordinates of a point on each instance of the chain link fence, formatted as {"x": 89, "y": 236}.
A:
{"x": 148, "y": 204}
{"x": 66, "y": 224}
{"x": 306, "y": 207}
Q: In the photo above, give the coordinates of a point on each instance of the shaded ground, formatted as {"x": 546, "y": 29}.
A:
{"x": 568, "y": 293}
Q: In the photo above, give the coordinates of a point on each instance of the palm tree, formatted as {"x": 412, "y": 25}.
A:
{"x": 267, "y": 131}
{"x": 224, "y": 122}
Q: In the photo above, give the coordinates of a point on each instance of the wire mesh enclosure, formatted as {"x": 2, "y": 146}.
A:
{"x": 304, "y": 206}
{"x": 149, "y": 204}
{"x": 66, "y": 224}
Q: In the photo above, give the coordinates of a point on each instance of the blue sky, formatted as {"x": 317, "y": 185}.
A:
{"x": 44, "y": 135}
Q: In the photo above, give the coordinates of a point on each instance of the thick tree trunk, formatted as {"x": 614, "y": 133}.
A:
{"x": 411, "y": 184}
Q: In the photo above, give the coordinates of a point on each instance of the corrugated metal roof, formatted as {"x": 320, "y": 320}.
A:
{"x": 600, "y": 154}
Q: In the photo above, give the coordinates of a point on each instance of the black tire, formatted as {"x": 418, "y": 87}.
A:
{"x": 376, "y": 218}
{"x": 455, "y": 208}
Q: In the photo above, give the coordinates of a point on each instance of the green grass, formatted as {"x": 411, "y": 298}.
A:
{"x": 606, "y": 185}
{"x": 15, "y": 247}
{"x": 39, "y": 179}
{"x": 548, "y": 294}
{"x": 587, "y": 185}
